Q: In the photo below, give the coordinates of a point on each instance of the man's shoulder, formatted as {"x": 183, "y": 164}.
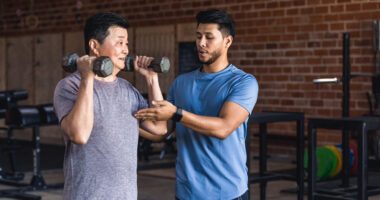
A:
{"x": 124, "y": 82}
{"x": 70, "y": 80}
{"x": 186, "y": 76}
{"x": 242, "y": 75}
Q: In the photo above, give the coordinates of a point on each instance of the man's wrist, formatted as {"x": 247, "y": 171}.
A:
{"x": 151, "y": 79}
{"x": 177, "y": 115}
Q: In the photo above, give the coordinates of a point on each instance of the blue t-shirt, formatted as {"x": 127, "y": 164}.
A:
{"x": 208, "y": 167}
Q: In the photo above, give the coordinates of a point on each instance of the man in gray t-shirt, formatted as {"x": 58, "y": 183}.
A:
{"x": 97, "y": 116}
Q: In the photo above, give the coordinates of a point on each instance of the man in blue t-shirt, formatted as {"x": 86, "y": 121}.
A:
{"x": 210, "y": 106}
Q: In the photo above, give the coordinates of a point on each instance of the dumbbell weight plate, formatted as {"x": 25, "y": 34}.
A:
{"x": 69, "y": 62}
{"x": 334, "y": 160}
{"x": 323, "y": 163}
{"x": 354, "y": 149}
{"x": 338, "y": 155}
{"x": 103, "y": 66}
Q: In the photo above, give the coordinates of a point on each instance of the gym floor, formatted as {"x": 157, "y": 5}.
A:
{"x": 159, "y": 184}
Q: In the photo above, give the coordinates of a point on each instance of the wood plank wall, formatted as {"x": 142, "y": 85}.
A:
{"x": 2, "y": 72}
{"x": 156, "y": 41}
{"x": 47, "y": 73}
{"x": 19, "y": 65}
{"x": 20, "y": 73}
{"x": 2, "y": 64}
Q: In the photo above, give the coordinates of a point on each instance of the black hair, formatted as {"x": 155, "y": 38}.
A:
{"x": 214, "y": 16}
{"x": 96, "y": 27}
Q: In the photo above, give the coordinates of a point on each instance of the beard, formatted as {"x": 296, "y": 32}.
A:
{"x": 213, "y": 57}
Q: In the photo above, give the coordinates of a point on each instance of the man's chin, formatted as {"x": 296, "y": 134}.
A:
{"x": 206, "y": 62}
{"x": 118, "y": 69}
{"x": 203, "y": 61}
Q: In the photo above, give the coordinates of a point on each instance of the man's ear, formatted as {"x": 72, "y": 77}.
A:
{"x": 229, "y": 40}
{"x": 94, "y": 46}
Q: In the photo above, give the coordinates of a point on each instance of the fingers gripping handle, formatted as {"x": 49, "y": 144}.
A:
{"x": 159, "y": 65}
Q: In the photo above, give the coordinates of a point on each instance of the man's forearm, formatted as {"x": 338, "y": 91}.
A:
{"x": 154, "y": 90}
{"x": 209, "y": 126}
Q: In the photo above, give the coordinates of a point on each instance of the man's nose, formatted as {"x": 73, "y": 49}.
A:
{"x": 125, "y": 51}
{"x": 202, "y": 42}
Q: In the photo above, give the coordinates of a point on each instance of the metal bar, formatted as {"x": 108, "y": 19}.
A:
{"x": 346, "y": 159}
{"x": 312, "y": 161}
{"x": 346, "y": 75}
{"x": 300, "y": 151}
{"x": 263, "y": 158}
{"x": 363, "y": 164}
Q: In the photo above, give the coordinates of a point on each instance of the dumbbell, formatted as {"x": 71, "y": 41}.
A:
{"x": 102, "y": 66}
{"x": 159, "y": 65}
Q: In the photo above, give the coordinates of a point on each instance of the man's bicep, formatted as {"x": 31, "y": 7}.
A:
{"x": 148, "y": 126}
{"x": 64, "y": 125}
{"x": 234, "y": 113}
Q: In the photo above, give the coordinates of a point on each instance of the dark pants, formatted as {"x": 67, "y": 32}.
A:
{"x": 242, "y": 197}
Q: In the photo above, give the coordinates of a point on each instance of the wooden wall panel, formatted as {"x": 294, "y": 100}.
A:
{"x": 186, "y": 32}
{"x": 19, "y": 62}
{"x": 48, "y": 71}
{"x": 2, "y": 71}
{"x": 157, "y": 42}
{"x": 2, "y": 64}
{"x": 48, "y": 56}
{"x": 20, "y": 73}
{"x": 73, "y": 43}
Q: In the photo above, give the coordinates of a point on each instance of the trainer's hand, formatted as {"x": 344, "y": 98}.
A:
{"x": 161, "y": 111}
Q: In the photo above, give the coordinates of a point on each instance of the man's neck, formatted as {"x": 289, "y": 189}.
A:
{"x": 216, "y": 66}
{"x": 109, "y": 78}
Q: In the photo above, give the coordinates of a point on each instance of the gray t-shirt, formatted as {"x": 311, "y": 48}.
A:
{"x": 105, "y": 167}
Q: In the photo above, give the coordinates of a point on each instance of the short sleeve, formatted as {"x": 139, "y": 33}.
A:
{"x": 170, "y": 96}
{"x": 65, "y": 95}
{"x": 244, "y": 92}
{"x": 139, "y": 102}
{"x": 142, "y": 102}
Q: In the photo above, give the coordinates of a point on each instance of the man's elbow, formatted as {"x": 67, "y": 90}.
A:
{"x": 161, "y": 131}
{"x": 222, "y": 133}
{"x": 79, "y": 138}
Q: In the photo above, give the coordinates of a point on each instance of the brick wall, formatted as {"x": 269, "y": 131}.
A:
{"x": 284, "y": 43}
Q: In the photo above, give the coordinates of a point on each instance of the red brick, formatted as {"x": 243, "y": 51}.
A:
{"x": 336, "y": 26}
{"x": 370, "y": 5}
{"x": 353, "y": 7}
{"x": 313, "y": 2}
{"x": 336, "y": 8}
{"x": 321, "y": 10}
{"x": 292, "y": 11}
